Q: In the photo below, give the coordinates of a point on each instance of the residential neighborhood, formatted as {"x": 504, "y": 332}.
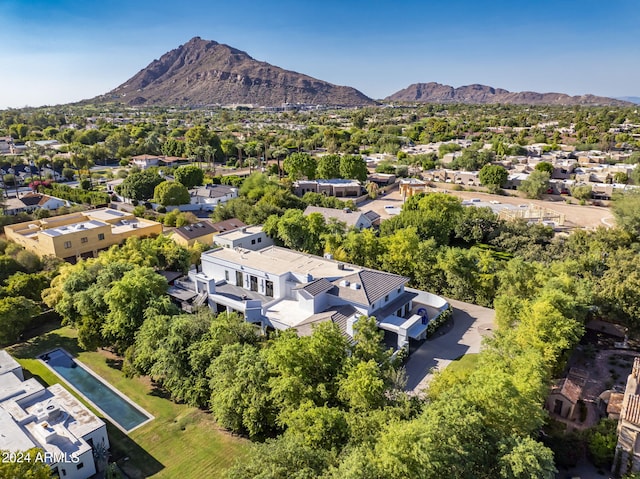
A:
{"x": 222, "y": 268}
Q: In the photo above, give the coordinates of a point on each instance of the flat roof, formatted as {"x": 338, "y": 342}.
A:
{"x": 130, "y": 225}
{"x": 52, "y": 419}
{"x": 287, "y": 312}
{"x": 105, "y": 214}
{"x": 239, "y": 233}
{"x": 13, "y": 438}
{"x": 276, "y": 260}
{"x": 7, "y": 363}
{"x": 74, "y": 228}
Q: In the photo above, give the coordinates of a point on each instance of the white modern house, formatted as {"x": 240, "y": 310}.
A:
{"x": 279, "y": 288}
{"x": 145, "y": 161}
{"x": 206, "y": 198}
{"x": 50, "y": 419}
{"x": 248, "y": 237}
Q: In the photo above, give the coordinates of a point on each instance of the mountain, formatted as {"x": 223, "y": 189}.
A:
{"x": 631, "y": 99}
{"x": 437, "y": 93}
{"x": 203, "y": 72}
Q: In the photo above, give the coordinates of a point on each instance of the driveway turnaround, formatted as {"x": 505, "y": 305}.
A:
{"x": 470, "y": 323}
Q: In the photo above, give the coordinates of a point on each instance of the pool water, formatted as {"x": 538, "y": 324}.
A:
{"x": 119, "y": 410}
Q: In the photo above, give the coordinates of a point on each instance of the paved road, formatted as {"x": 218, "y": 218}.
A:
{"x": 470, "y": 323}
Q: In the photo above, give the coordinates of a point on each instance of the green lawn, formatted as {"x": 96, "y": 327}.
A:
{"x": 464, "y": 364}
{"x": 181, "y": 441}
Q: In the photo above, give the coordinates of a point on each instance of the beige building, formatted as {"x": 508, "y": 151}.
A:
{"x": 628, "y": 447}
{"x": 80, "y": 235}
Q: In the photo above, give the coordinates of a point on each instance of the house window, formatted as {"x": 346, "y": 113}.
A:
{"x": 67, "y": 244}
{"x": 100, "y": 236}
{"x": 386, "y": 298}
{"x": 84, "y": 239}
{"x": 239, "y": 281}
{"x": 399, "y": 290}
{"x": 269, "y": 289}
{"x": 226, "y": 275}
{"x": 80, "y": 466}
{"x": 259, "y": 240}
{"x": 253, "y": 283}
{"x": 253, "y": 241}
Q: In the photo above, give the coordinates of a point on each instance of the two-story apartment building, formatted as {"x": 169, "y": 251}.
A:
{"x": 80, "y": 235}
{"x": 279, "y": 288}
{"x": 51, "y": 419}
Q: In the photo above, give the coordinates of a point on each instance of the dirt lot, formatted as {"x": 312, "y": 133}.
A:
{"x": 576, "y": 216}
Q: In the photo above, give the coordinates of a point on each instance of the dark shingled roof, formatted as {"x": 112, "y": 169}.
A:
{"x": 373, "y": 285}
{"x": 338, "y": 315}
{"x": 228, "y": 225}
{"x": 33, "y": 199}
{"x": 196, "y": 230}
{"x": 372, "y": 215}
{"x": 314, "y": 288}
{"x": 212, "y": 191}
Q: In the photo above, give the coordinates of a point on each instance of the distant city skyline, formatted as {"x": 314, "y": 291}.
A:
{"x": 61, "y": 51}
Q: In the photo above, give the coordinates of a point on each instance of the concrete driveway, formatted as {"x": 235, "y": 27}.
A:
{"x": 463, "y": 335}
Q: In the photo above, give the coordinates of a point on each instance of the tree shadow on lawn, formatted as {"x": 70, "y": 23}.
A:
{"x": 32, "y": 348}
{"x": 115, "y": 363}
{"x": 133, "y": 459}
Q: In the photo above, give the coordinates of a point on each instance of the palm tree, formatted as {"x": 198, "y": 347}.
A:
{"x": 279, "y": 153}
{"x": 372, "y": 189}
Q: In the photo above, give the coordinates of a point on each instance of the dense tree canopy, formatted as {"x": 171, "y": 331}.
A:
{"x": 171, "y": 193}
{"x": 189, "y": 176}
{"x": 140, "y": 186}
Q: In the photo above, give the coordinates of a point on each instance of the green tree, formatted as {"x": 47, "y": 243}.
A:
{"x": 127, "y": 300}
{"x": 363, "y": 387}
{"x": 602, "y": 440}
{"x": 626, "y": 209}
{"x": 353, "y": 167}
{"x": 536, "y": 184}
{"x": 321, "y": 427}
{"x": 581, "y": 192}
{"x": 300, "y": 165}
{"x": 620, "y": 177}
{"x": 617, "y": 291}
{"x": 28, "y": 285}
{"x": 545, "y": 167}
{"x": 139, "y": 186}
{"x": 493, "y": 177}
{"x": 525, "y": 458}
{"x": 284, "y": 458}
{"x": 189, "y": 176}
{"x": 171, "y": 193}
{"x": 240, "y": 396}
{"x": 328, "y": 167}
{"x": 15, "y": 315}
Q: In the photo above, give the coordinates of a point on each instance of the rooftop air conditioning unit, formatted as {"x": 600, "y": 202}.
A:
{"x": 345, "y": 283}
{"x": 340, "y": 265}
{"x": 356, "y": 285}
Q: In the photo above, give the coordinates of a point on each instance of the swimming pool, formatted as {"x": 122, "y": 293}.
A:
{"x": 113, "y": 404}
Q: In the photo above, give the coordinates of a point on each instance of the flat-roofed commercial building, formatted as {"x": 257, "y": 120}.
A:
{"x": 80, "y": 235}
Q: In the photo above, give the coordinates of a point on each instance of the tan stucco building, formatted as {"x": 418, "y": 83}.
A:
{"x": 80, "y": 235}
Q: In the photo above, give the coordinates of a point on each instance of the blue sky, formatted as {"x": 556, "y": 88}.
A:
{"x": 57, "y": 51}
